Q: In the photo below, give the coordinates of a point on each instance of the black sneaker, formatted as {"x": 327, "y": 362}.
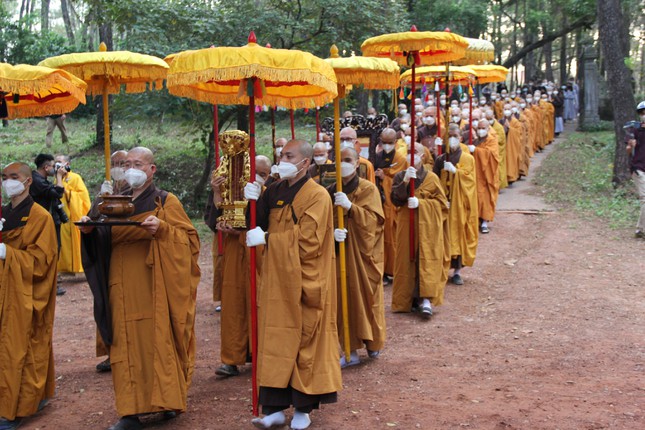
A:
{"x": 456, "y": 279}
{"x": 60, "y": 291}
{"x": 639, "y": 234}
{"x": 227, "y": 370}
{"x": 104, "y": 366}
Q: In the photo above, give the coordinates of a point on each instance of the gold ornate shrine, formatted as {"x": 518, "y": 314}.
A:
{"x": 236, "y": 167}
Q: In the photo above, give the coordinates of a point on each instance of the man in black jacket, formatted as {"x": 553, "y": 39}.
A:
{"x": 48, "y": 195}
{"x": 636, "y": 148}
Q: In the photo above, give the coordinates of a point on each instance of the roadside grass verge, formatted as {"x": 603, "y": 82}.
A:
{"x": 577, "y": 175}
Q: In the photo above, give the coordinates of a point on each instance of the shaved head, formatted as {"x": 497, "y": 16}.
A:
{"x": 142, "y": 153}
{"x": 262, "y": 166}
{"x": 388, "y": 135}
{"x": 348, "y": 153}
{"x": 320, "y": 146}
{"x": 483, "y": 124}
{"x": 118, "y": 158}
{"x": 303, "y": 148}
{"x": 348, "y": 133}
{"x": 21, "y": 169}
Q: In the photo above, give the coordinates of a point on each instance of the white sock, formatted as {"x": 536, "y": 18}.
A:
{"x": 273, "y": 419}
{"x": 426, "y": 302}
{"x": 300, "y": 420}
{"x": 484, "y": 224}
{"x": 456, "y": 272}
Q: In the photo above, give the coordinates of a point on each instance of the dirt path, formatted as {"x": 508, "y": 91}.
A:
{"x": 547, "y": 333}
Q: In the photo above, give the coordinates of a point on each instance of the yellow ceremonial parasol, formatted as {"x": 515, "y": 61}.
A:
{"x": 39, "y": 91}
{"x": 490, "y": 73}
{"x": 252, "y": 75}
{"x": 432, "y": 74}
{"x": 416, "y": 48}
{"x": 479, "y": 51}
{"x": 106, "y": 71}
{"x": 372, "y": 73}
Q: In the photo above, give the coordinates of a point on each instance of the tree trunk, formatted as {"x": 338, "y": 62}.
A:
{"x": 548, "y": 61}
{"x": 68, "y": 22}
{"x": 611, "y": 30}
{"x": 563, "y": 53}
{"x": 44, "y": 16}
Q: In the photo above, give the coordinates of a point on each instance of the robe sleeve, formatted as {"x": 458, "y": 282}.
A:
{"x": 366, "y": 214}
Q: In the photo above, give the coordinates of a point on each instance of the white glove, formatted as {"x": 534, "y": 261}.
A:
{"x": 2, "y": 220}
{"x": 252, "y": 190}
{"x": 255, "y": 237}
{"x": 438, "y": 141}
{"x": 413, "y": 203}
{"x": 274, "y": 170}
{"x": 410, "y": 173}
{"x": 471, "y": 148}
{"x": 340, "y": 235}
{"x": 106, "y": 188}
{"x": 449, "y": 167}
{"x": 340, "y": 199}
{"x": 3, "y": 251}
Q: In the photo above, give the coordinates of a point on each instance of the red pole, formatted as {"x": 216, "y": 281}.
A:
{"x": 293, "y": 127}
{"x": 317, "y": 124}
{"x": 273, "y": 133}
{"x": 470, "y": 113}
{"x": 438, "y": 105}
{"x": 412, "y": 149}
{"x": 220, "y": 245}
{"x": 254, "y": 309}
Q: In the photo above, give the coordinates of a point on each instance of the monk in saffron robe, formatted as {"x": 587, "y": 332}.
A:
{"x": 321, "y": 158}
{"x": 28, "y": 257}
{"x": 501, "y": 141}
{"x": 420, "y": 283}
{"x": 514, "y": 146}
{"x": 388, "y": 163}
{"x": 297, "y": 334}
{"x": 486, "y": 155}
{"x": 153, "y": 277}
{"x": 349, "y": 139}
{"x": 456, "y": 171}
{"x": 363, "y": 237}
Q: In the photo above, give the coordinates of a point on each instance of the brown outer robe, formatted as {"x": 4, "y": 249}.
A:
{"x": 463, "y": 216}
{"x": 153, "y": 289}
{"x": 398, "y": 164}
{"x": 432, "y": 246}
{"x": 514, "y": 148}
{"x": 486, "y": 163}
{"x": 297, "y": 333}
{"x": 27, "y": 301}
{"x": 501, "y": 141}
{"x": 364, "y": 257}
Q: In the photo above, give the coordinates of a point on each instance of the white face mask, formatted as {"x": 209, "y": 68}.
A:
{"x": 320, "y": 159}
{"x": 13, "y": 187}
{"x": 442, "y": 102}
{"x": 403, "y": 112}
{"x": 407, "y": 140}
{"x": 135, "y": 178}
{"x": 555, "y": 93}
{"x": 428, "y": 120}
{"x": 482, "y": 102}
{"x": 482, "y": 132}
{"x": 453, "y": 142}
{"x": 418, "y": 112}
{"x": 417, "y": 159}
{"x": 288, "y": 170}
{"x": 507, "y": 112}
{"x": 529, "y": 100}
{"x": 465, "y": 112}
{"x": 259, "y": 179}
{"x": 456, "y": 119}
{"x": 475, "y": 123}
{"x": 328, "y": 146}
{"x": 346, "y": 144}
{"x": 514, "y": 110}
{"x": 493, "y": 98}
{"x": 404, "y": 127}
{"x": 346, "y": 169}
{"x": 278, "y": 151}
{"x": 388, "y": 147}
{"x": 371, "y": 116}
{"x": 117, "y": 173}
{"x": 523, "y": 105}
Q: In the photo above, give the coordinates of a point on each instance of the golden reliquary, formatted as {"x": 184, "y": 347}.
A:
{"x": 236, "y": 167}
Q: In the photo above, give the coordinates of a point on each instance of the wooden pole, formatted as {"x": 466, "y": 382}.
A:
{"x": 341, "y": 225}
{"x": 106, "y": 131}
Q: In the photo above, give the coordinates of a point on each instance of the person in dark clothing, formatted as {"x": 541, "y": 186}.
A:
{"x": 636, "y": 148}
{"x": 48, "y": 195}
{"x": 557, "y": 101}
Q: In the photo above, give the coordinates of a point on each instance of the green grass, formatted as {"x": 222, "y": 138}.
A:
{"x": 578, "y": 174}
{"x": 179, "y": 148}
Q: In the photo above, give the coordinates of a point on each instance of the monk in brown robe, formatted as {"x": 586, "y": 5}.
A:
{"x": 486, "y": 155}
{"x": 514, "y": 145}
{"x": 321, "y": 158}
{"x": 501, "y": 142}
{"x": 349, "y": 139}
{"x": 297, "y": 334}
{"x": 28, "y": 258}
{"x": 420, "y": 283}
{"x": 153, "y": 277}
{"x": 456, "y": 171}
{"x": 363, "y": 237}
{"x": 388, "y": 163}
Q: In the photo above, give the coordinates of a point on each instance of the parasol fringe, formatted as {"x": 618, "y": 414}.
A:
{"x": 266, "y": 74}
{"x": 232, "y": 98}
{"x": 444, "y": 47}
{"x": 89, "y": 71}
{"x": 31, "y": 110}
{"x": 44, "y": 84}
{"x": 369, "y": 80}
